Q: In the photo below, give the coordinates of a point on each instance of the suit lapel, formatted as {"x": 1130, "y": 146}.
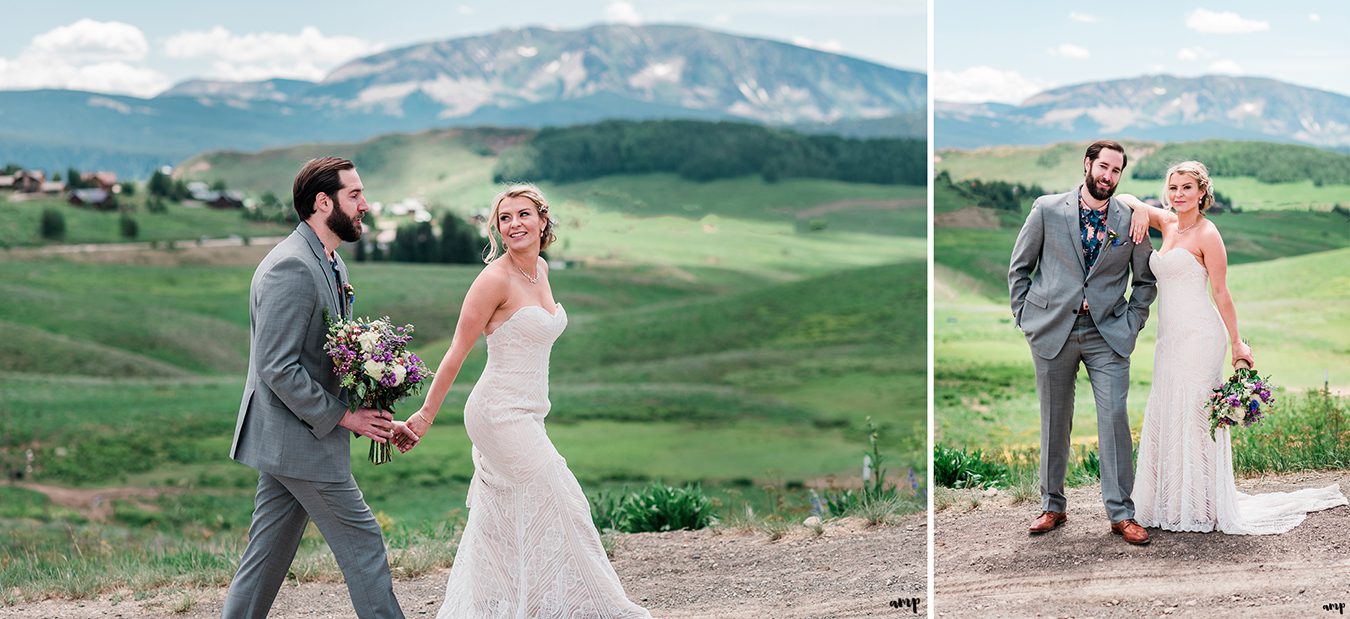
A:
{"x": 325, "y": 267}
{"x": 343, "y": 301}
{"x": 1071, "y": 220}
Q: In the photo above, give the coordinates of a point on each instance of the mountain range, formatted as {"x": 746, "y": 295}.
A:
{"x": 530, "y": 77}
{"x": 1153, "y": 107}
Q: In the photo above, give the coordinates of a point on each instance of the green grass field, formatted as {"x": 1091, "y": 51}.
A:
{"x": 1287, "y": 278}
{"x": 20, "y": 227}
{"x": 735, "y": 334}
{"x": 1287, "y": 251}
{"x": 1059, "y": 167}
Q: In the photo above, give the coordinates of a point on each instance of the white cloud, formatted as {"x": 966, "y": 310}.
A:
{"x": 1225, "y": 66}
{"x": 1314, "y": 17}
{"x": 307, "y": 55}
{"x": 622, "y": 13}
{"x": 1223, "y": 22}
{"x": 831, "y": 45}
{"x": 1069, "y": 50}
{"x": 464, "y": 9}
{"x": 721, "y": 19}
{"x": 85, "y": 55}
{"x": 981, "y": 84}
{"x": 92, "y": 41}
{"x": 1084, "y": 18}
{"x": 1192, "y": 54}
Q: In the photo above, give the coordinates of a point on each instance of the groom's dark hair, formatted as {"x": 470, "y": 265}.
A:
{"x": 316, "y": 177}
{"x": 1096, "y": 149}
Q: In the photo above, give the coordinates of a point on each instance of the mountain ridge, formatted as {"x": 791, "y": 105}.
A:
{"x": 523, "y": 78}
{"x": 1153, "y": 107}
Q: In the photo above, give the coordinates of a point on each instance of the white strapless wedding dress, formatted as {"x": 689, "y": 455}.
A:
{"x": 1184, "y": 479}
{"x": 529, "y": 548}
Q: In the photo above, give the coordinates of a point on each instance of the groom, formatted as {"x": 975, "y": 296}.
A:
{"x": 1070, "y": 266}
{"x": 292, "y": 408}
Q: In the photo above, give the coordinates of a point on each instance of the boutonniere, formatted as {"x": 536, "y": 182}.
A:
{"x": 1113, "y": 237}
{"x": 349, "y": 293}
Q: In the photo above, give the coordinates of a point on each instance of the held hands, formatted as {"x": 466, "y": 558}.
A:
{"x": 404, "y": 439}
{"x": 375, "y": 424}
{"x": 410, "y": 432}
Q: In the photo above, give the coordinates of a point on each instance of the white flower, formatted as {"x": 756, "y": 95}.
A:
{"x": 374, "y": 369}
{"x": 368, "y": 340}
{"x": 399, "y": 373}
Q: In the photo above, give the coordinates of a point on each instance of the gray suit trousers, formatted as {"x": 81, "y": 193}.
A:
{"x": 1109, "y": 374}
{"x": 283, "y": 507}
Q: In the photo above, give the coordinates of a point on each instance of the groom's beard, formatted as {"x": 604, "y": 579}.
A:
{"x": 345, "y": 227}
{"x": 1096, "y": 191}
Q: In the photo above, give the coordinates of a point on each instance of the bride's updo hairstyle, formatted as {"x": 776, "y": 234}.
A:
{"x": 1197, "y": 171}
{"x": 531, "y": 193}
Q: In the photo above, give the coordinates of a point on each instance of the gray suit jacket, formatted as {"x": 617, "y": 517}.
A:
{"x": 1048, "y": 279}
{"x": 292, "y": 403}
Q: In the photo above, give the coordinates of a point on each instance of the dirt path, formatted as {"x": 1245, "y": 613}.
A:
{"x": 849, "y": 205}
{"x": 985, "y": 564}
{"x": 96, "y": 503}
{"x": 849, "y": 571}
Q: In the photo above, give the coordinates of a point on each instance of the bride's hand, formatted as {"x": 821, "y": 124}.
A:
{"x": 1139, "y": 225}
{"x": 1243, "y": 352}
{"x": 419, "y": 423}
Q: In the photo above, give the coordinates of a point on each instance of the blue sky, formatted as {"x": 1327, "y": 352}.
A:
{"x": 992, "y": 50}
{"x": 141, "y": 48}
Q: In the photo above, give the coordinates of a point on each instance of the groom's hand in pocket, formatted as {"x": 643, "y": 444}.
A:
{"x": 374, "y": 424}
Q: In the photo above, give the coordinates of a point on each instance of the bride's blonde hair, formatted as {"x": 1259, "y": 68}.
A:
{"x": 1197, "y": 171}
{"x": 531, "y": 193}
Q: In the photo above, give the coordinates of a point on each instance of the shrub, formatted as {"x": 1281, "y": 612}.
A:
{"x": 656, "y": 507}
{"x": 876, "y": 500}
{"x": 53, "y": 225}
{"x": 129, "y": 228}
{"x": 957, "y": 468}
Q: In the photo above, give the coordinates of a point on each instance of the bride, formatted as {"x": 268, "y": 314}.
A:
{"x": 529, "y": 548}
{"x": 1184, "y": 478}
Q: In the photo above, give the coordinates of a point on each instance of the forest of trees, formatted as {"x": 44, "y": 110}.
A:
{"x": 704, "y": 151}
{"x": 1267, "y": 162}
{"x": 1000, "y": 195}
{"x": 458, "y": 242}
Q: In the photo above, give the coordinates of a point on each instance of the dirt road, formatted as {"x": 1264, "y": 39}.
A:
{"x": 985, "y": 564}
{"x": 851, "y": 570}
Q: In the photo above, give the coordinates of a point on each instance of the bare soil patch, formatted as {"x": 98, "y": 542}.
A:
{"x": 850, "y": 570}
{"x": 97, "y": 503}
{"x": 857, "y": 205}
{"x": 985, "y": 563}
{"x": 968, "y": 217}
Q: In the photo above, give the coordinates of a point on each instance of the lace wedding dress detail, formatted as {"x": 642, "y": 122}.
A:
{"x": 529, "y": 548}
{"x": 1184, "y": 479}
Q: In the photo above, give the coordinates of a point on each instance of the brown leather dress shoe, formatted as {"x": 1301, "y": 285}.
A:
{"x": 1048, "y": 521}
{"x": 1131, "y": 531}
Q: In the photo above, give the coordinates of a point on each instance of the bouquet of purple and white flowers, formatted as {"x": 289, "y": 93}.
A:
{"x": 372, "y": 358}
{"x": 1244, "y": 398}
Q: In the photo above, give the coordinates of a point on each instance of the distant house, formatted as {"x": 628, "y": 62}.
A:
{"x": 220, "y": 199}
{"x": 29, "y": 181}
{"x": 101, "y": 199}
{"x": 54, "y": 188}
{"x": 6, "y": 182}
{"x": 106, "y": 181}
